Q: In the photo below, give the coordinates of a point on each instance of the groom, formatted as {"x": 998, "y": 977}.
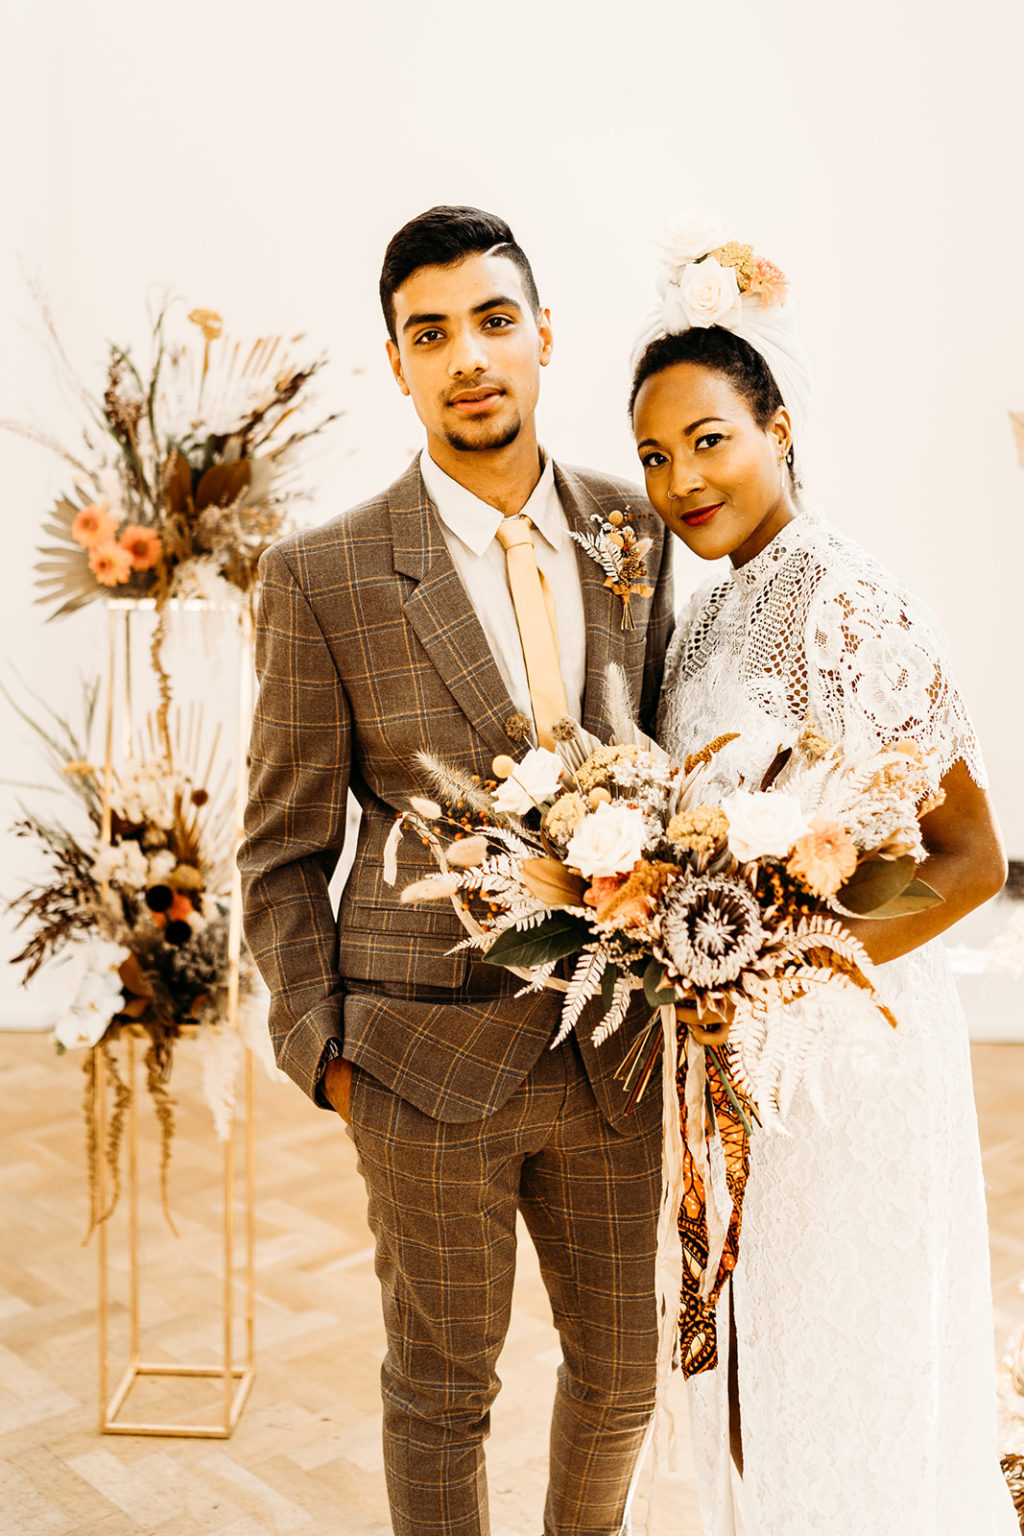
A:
{"x": 390, "y": 631}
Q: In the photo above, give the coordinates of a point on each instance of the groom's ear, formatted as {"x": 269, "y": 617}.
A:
{"x": 547, "y": 339}
{"x": 394, "y": 358}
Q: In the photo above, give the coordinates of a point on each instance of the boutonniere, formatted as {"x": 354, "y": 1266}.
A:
{"x": 620, "y": 554}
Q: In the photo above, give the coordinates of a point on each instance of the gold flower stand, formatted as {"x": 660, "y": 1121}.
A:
{"x": 235, "y": 1367}
{"x": 238, "y": 1278}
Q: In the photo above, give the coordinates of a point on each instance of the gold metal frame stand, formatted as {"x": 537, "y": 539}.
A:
{"x": 236, "y": 1376}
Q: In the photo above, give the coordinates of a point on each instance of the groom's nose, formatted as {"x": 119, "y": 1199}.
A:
{"x": 468, "y": 352}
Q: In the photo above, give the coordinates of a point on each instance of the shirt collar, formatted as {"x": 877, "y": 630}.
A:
{"x": 476, "y": 522}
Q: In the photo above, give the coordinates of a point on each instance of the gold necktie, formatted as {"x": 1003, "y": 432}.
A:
{"x": 538, "y": 630}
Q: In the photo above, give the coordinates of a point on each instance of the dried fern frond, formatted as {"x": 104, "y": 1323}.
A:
{"x": 584, "y": 984}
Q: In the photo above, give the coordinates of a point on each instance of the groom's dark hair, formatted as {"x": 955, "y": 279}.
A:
{"x": 441, "y": 237}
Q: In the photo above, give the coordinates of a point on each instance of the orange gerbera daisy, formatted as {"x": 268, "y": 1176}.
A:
{"x": 824, "y": 858}
{"x": 110, "y": 564}
{"x": 142, "y": 545}
{"x": 95, "y": 524}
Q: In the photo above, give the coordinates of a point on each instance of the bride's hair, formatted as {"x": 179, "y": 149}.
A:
{"x": 723, "y": 352}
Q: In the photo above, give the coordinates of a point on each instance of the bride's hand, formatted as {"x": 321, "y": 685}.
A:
{"x": 706, "y": 1028}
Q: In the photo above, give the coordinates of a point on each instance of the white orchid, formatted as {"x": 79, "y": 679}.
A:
{"x": 95, "y": 992}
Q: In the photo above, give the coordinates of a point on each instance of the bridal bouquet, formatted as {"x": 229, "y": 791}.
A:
{"x": 186, "y": 475}
{"x": 624, "y": 867}
{"x": 134, "y": 908}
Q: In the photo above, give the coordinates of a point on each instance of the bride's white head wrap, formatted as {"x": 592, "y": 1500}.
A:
{"x": 707, "y": 279}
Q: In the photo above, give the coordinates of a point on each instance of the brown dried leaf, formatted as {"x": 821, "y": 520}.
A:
{"x": 134, "y": 978}
{"x": 177, "y": 479}
{"x": 550, "y": 882}
{"x": 222, "y": 485}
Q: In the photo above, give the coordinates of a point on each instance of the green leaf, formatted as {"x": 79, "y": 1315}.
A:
{"x": 557, "y": 936}
{"x": 656, "y": 991}
{"x": 608, "y": 980}
{"x": 918, "y": 897}
{"x": 875, "y": 883}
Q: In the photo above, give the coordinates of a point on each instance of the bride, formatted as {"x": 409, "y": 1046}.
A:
{"x": 863, "y": 1392}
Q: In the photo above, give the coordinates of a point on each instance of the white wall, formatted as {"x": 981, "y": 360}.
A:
{"x": 255, "y": 158}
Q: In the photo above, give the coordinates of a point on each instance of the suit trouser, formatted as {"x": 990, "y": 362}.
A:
{"x": 443, "y": 1200}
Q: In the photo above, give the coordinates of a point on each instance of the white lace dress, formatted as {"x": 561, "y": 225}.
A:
{"x": 862, "y": 1294}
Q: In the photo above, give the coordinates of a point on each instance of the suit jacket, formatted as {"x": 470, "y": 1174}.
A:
{"x": 368, "y": 651}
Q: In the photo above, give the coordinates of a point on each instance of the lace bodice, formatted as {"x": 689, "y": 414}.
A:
{"x": 812, "y": 626}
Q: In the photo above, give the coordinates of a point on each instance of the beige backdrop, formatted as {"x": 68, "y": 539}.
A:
{"x": 255, "y": 159}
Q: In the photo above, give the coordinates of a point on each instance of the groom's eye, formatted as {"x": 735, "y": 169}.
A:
{"x": 425, "y": 337}
{"x": 497, "y": 322}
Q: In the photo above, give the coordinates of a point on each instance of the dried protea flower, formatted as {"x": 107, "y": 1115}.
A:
{"x": 564, "y": 729}
{"x": 711, "y": 929}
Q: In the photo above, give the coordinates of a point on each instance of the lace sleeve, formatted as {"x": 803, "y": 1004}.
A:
{"x": 878, "y": 671}
{"x": 694, "y": 620}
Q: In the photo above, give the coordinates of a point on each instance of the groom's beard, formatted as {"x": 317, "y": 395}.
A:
{"x": 486, "y": 441}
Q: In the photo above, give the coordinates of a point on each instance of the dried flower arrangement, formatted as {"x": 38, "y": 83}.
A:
{"x": 188, "y": 469}
{"x": 134, "y": 906}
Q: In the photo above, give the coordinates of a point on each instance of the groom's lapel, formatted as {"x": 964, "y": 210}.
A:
{"x": 601, "y": 608}
{"x": 442, "y": 616}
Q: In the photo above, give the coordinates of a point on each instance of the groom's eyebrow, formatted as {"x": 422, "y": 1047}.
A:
{"x": 502, "y": 301}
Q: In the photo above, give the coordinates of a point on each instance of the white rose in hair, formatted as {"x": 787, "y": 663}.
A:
{"x": 607, "y": 842}
{"x": 704, "y": 294}
{"x": 536, "y": 779}
{"x": 693, "y": 234}
{"x": 763, "y": 824}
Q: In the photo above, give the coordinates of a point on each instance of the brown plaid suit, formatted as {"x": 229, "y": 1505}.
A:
{"x": 369, "y": 651}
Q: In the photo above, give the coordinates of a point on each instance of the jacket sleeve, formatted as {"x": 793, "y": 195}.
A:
{"x": 660, "y": 625}
{"x": 300, "y": 755}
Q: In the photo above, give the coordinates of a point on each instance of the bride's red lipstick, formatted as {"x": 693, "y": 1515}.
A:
{"x": 701, "y": 516}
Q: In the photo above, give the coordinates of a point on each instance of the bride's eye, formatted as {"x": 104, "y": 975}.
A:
{"x": 653, "y": 460}
{"x": 710, "y": 439}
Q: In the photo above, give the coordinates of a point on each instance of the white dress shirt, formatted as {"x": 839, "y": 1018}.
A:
{"x": 470, "y": 526}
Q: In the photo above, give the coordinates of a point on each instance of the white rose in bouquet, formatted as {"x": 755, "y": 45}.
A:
{"x": 607, "y": 842}
{"x": 95, "y": 992}
{"x": 693, "y": 234}
{"x": 536, "y": 779}
{"x": 703, "y": 294}
{"x": 763, "y": 824}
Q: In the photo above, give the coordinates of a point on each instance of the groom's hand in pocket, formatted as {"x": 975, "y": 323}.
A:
{"x": 337, "y": 1086}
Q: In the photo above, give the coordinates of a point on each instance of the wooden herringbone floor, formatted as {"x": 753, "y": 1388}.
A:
{"x": 306, "y": 1454}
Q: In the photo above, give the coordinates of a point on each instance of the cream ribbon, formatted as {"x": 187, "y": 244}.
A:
{"x": 534, "y": 604}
